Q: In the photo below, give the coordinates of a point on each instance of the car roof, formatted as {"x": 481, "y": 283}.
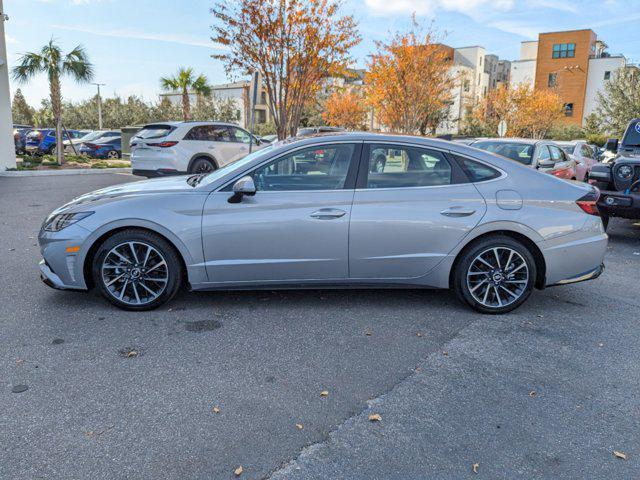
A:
{"x": 191, "y": 123}
{"x": 524, "y": 141}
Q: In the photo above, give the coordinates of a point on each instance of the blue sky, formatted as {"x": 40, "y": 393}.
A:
{"x": 134, "y": 42}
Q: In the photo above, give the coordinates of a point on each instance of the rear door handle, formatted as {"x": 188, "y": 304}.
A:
{"x": 328, "y": 213}
{"x": 457, "y": 212}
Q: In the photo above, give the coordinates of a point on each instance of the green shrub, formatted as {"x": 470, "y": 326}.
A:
{"x": 566, "y": 132}
{"x": 597, "y": 139}
{"x": 100, "y": 164}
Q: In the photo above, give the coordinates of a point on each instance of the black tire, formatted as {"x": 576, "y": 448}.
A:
{"x": 471, "y": 252}
{"x": 202, "y": 165}
{"x": 174, "y": 269}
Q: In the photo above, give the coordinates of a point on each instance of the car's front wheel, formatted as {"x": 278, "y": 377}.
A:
{"x": 137, "y": 270}
{"x": 495, "y": 275}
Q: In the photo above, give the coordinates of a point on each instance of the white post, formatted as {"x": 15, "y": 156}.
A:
{"x": 7, "y": 145}
{"x": 99, "y": 104}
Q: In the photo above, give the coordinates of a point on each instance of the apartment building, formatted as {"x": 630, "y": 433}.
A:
{"x": 574, "y": 63}
{"x": 239, "y": 94}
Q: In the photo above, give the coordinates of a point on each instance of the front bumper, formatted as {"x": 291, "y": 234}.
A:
{"x": 62, "y": 266}
{"x": 619, "y": 204}
{"x": 52, "y": 280}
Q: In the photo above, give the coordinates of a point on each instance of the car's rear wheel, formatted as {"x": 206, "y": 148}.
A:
{"x": 495, "y": 275}
{"x": 137, "y": 270}
{"x": 202, "y": 165}
{"x": 112, "y": 154}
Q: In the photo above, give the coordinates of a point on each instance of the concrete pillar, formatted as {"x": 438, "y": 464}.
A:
{"x": 7, "y": 147}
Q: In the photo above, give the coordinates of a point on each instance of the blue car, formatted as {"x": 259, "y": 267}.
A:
{"x": 43, "y": 141}
{"x": 110, "y": 148}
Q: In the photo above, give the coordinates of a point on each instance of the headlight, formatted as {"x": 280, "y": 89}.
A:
{"x": 57, "y": 222}
{"x": 625, "y": 172}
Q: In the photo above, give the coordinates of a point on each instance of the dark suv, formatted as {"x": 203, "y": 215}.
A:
{"x": 619, "y": 179}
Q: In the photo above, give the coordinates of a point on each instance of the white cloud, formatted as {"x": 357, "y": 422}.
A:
{"x": 164, "y": 37}
{"x": 518, "y": 28}
{"x": 11, "y": 40}
{"x": 429, "y": 7}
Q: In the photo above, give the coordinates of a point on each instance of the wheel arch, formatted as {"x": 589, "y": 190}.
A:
{"x": 103, "y": 234}
{"x": 208, "y": 156}
{"x": 541, "y": 266}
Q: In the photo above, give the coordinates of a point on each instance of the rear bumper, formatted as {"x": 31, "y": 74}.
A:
{"x": 618, "y": 204}
{"x": 590, "y": 275}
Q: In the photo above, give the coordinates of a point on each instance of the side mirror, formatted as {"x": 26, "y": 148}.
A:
{"x": 546, "y": 164}
{"x": 244, "y": 186}
{"x": 611, "y": 145}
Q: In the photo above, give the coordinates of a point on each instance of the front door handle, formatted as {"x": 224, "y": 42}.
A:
{"x": 328, "y": 213}
{"x": 457, "y": 212}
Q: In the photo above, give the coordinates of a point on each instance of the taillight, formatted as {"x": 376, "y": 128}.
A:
{"x": 162, "y": 144}
{"x": 589, "y": 202}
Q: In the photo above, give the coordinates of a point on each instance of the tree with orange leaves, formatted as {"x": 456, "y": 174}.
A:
{"x": 529, "y": 113}
{"x": 293, "y": 44}
{"x": 345, "y": 109}
{"x": 409, "y": 82}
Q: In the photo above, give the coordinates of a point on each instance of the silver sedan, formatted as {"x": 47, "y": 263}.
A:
{"x": 344, "y": 210}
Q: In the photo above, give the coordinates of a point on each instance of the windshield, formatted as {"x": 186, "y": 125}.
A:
{"x": 632, "y": 136}
{"x": 91, "y": 136}
{"x": 520, "y": 152}
{"x": 222, "y": 171}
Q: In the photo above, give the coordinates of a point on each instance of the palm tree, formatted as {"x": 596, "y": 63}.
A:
{"x": 182, "y": 82}
{"x": 51, "y": 61}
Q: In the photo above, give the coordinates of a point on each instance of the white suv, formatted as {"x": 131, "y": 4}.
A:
{"x": 176, "y": 148}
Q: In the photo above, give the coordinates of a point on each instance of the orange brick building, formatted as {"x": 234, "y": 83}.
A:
{"x": 563, "y": 64}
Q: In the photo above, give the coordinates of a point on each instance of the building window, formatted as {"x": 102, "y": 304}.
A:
{"x": 564, "y": 50}
{"x": 552, "y": 81}
{"x": 568, "y": 109}
{"x": 607, "y": 75}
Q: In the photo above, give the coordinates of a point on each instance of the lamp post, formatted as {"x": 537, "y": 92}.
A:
{"x": 7, "y": 146}
{"x": 99, "y": 104}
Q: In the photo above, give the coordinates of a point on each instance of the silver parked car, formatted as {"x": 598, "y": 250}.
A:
{"x": 323, "y": 212}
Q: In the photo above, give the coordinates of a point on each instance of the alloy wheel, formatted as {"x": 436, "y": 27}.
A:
{"x": 203, "y": 167}
{"x": 134, "y": 273}
{"x": 112, "y": 154}
{"x": 497, "y": 277}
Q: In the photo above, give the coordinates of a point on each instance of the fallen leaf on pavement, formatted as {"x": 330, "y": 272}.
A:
{"x": 532, "y": 393}
{"x": 238, "y": 471}
{"x": 375, "y": 417}
{"x": 418, "y": 334}
{"x": 446, "y": 354}
{"x": 621, "y": 455}
{"x": 299, "y": 426}
{"x": 132, "y": 353}
{"x": 324, "y": 393}
{"x": 216, "y": 410}
{"x": 474, "y": 467}
{"x": 368, "y": 333}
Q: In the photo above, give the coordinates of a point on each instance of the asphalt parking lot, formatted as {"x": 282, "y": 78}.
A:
{"x": 549, "y": 391}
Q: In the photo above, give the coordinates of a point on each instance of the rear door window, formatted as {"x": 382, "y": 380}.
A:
{"x": 240, "y": 136}
{"x": 209, "y": 133}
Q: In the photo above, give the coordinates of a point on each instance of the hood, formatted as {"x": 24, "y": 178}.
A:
{"x": 144, "y": 187}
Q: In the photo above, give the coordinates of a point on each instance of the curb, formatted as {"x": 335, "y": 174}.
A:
{"x": 68, "y": 171}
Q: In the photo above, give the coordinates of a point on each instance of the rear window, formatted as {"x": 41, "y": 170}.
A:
{"x": 567, "y": 149}
{"x": 476, "y": 171}
{"x": 520, "y": 152}
{"x": 154, "y": 131}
